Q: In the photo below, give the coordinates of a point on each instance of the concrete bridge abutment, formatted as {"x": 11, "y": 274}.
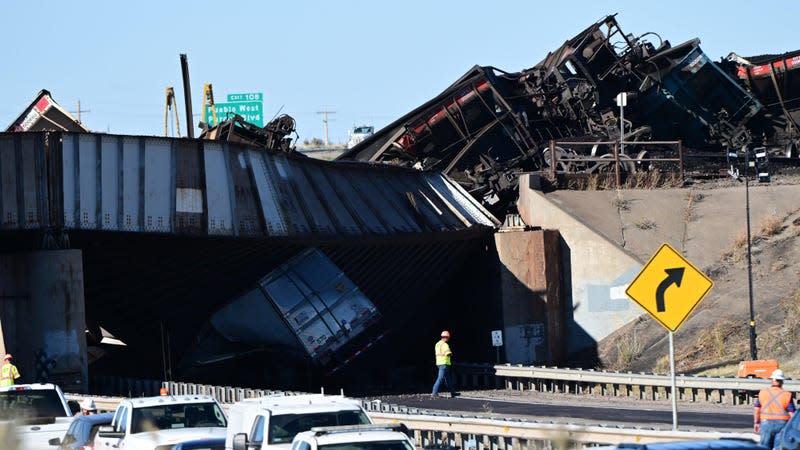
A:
{"x": 533, "y": 311}
{"x": 43, "y": 319}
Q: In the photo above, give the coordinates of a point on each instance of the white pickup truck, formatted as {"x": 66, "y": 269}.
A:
{"x": 356, "y": 437}
{"x": 152, "y": 422}
{"x": 39, "y": 411}
{"x": 271, "y": 422}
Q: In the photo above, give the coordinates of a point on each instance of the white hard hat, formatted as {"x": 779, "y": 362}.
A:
{"x": 777, "y": 375}
{"x": 88, "y": 404}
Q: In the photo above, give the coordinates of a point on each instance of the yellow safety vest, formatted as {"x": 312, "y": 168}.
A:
{"x": 8, "y": 373}
{"x": 442, "y": 350}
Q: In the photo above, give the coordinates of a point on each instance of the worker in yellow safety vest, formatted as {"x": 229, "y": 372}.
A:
{"x": 444, "y": 363}
{"x": 773, "y": 408}
{"x": 9, "y": 372}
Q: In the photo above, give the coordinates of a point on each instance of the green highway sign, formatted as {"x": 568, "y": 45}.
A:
{"x": 251, "y": 111}
{"x": 247, "y": 97}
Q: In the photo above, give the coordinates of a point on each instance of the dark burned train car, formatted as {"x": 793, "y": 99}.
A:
{"x": 490, "y": 124}
{"x": 775, "y": 81}
{"x": 688, "y": 97}
{"x": 273, "y": 136}
{"x": 470, "y": 132}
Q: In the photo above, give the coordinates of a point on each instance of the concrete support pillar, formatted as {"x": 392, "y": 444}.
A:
{"x": 533, "y": 314}
{"x": 43, "y": 316}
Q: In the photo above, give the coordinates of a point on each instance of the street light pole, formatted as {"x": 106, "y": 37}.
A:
{"x": 753, "y": 349}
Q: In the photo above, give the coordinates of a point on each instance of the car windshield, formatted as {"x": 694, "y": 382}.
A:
{"x": 170, "y": 416}
{"x": 379, "y": 445}
{"x": 30, "y": 403}
{"x": 284, "y": 427}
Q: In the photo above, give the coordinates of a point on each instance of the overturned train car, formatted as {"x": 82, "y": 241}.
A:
{"x": 775, "y": 81}
{"x": 490, "y": 125}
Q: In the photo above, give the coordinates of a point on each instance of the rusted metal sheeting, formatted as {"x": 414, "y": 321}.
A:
{"x": 180, "y": 186}
{"x": 23, "y": 182}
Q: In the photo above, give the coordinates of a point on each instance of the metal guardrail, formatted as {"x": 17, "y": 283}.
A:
{"x": 645, "y": 386}
{"x": 481, "y": 433}
{"x": 629, "y": 384}
{"x": 503, "y": 434}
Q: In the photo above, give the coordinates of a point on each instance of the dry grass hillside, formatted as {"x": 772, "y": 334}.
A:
{"x": 716, "y": 335}
{"x": 707, "y": 223}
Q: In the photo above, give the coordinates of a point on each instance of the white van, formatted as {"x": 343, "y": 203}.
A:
{"x": 272, "y": 422}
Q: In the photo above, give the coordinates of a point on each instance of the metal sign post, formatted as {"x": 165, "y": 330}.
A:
{"x": 497, "y": 342}
{"x": 669, "y": 288}
{"x": 673, "y": 393}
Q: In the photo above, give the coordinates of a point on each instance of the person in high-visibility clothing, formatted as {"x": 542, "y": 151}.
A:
{"x": 9, "y": 372}
{"x": 443, "y": 362}
{"x": 773, "y": 408}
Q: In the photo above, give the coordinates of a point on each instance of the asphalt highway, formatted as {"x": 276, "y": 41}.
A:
{"x": 572, "y": 410}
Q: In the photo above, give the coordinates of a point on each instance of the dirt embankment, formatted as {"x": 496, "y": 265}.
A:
{"x": 707, "y": 223}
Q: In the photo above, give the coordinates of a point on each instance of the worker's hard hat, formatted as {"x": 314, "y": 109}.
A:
{"x": 445, "y": 333}
{"x": 88, "y": 404}
{"x": 8, "y": 356}
{"x": 163, "y": 391}
{"x": 777, "y": 374}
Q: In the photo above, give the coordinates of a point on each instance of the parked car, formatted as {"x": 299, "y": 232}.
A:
{"x": 80, "y": 434}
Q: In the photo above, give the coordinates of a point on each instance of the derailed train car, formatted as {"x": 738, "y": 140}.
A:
{"x": 775, "y": 81}
{"x": 491, "y": 125}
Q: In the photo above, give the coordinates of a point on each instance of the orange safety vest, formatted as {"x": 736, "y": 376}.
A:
{"x": 774, "y": 403}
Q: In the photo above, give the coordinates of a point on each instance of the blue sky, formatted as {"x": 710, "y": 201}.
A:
{"x": 369, "y": 61}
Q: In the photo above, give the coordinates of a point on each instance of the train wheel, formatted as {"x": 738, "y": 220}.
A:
{"x": 791, "y": 150}
{"x": 643, "y": 166}
{"x": 562, "y": 166}
{"x": 626, "y": 164}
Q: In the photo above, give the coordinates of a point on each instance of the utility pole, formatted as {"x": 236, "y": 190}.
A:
{"x": 78, "y": 112}
{"x": 325, "y": 113}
